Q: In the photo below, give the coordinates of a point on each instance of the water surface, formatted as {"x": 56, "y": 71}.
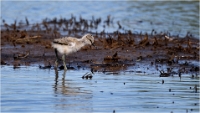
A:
{"x": 176, "y": 17}
{"x": 30, "y": 89}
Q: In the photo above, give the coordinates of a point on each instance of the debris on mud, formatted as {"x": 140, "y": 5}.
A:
{"x": 27, "y": 44}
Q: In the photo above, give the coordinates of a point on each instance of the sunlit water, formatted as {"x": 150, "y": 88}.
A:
{"x": 139, "y": 16}
{"x": 30, "y": 89}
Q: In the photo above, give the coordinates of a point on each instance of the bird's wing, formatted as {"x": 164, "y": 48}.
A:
{"x": 69, "y": 41}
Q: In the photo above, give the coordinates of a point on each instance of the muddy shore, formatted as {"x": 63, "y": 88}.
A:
{"x": 25, "y": 44}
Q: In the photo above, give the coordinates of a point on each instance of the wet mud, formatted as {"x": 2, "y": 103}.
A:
{"x": 28, "y": 44}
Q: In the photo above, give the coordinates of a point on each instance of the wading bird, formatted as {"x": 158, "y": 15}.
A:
{"x": 68, "y": 45}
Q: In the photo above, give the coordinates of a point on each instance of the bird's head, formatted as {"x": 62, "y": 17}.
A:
{"x": 89, "y": 39}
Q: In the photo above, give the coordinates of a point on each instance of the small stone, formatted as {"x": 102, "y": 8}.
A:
{"x": 163, "y": 81}
{"x": 170, "y": 90}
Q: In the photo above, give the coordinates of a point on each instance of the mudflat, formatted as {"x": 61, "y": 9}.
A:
{"x": 25, "y": 44}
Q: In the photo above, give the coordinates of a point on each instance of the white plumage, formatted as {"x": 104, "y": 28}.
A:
{"x": 65, "y": 49}
{"x": 69, "y": 45}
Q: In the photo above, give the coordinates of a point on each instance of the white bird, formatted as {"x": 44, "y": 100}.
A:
{"x": 67, "y": 45}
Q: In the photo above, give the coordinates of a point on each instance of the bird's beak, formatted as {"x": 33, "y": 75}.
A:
{"x": 93, "y": 44}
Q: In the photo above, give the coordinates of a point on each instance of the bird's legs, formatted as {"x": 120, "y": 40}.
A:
{"x": 57, "y": 59}
{"x": 63, "y": 59}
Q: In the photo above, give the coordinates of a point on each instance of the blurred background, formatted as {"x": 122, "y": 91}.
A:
{"x": 176, "y": 17}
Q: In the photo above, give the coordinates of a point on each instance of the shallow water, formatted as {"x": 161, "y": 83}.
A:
{"x": 30, "y": 89}
{"x": 176, "y": 17}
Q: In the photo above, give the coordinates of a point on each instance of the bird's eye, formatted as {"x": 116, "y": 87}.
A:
{"x": 91, "y": 35}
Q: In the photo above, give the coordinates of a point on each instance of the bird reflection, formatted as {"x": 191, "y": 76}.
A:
{"x": 68, "y": 95}
{"x": 56, "y": 81}
{"x": 66, "y": 87}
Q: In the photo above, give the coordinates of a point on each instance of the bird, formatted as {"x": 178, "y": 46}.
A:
{"x": 68, "y": 45}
